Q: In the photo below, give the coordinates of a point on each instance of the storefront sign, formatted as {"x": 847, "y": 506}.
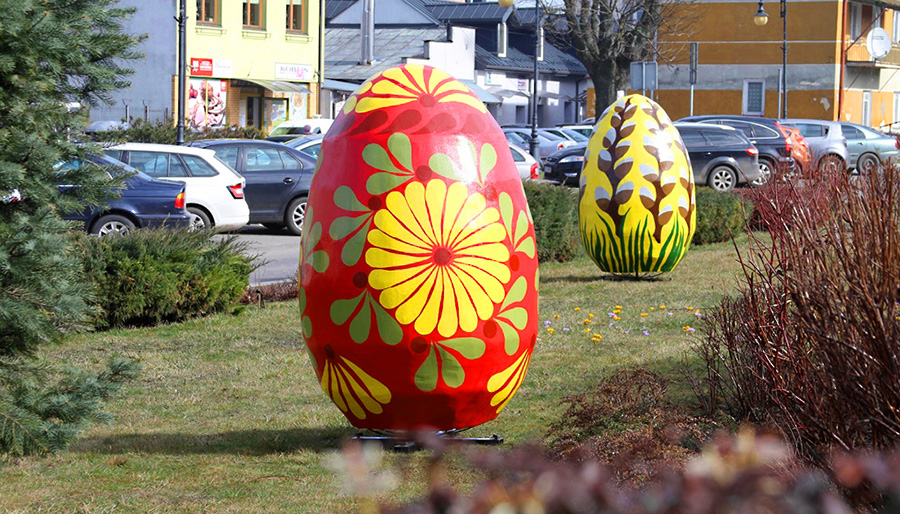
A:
{"x": 286, "y": 71}
{"x": 205, "y": 67}
{"x": 201, "y": 67}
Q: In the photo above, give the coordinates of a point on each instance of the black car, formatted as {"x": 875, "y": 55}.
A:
{"x": 144, "y": 201}
{"x": 278, "y": 179}
{"x": 721, "y": 156}
{"x": 565, "y": 165}
{"x": 766, "y": 134}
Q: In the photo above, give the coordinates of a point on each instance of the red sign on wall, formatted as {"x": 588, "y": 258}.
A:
{"x": 201, "y": 67}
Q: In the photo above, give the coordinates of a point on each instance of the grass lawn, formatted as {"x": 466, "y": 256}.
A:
{"x": 227, "y": 415}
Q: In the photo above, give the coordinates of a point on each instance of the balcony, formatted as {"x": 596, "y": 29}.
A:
{"x": 858, "y": 55}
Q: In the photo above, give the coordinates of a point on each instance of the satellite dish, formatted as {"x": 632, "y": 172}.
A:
{"x": 878, "y": 42}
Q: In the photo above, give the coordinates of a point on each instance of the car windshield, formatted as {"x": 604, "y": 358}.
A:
{"x": 577, "y": 136}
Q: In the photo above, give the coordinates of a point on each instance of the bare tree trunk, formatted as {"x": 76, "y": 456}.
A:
{"x": 605, "y": 87}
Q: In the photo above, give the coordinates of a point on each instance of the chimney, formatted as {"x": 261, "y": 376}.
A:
{"x": 367, "y": 30}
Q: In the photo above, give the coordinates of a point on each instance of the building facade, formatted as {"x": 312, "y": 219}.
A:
{"x": 830, "y": 73}
{"x": 249, "y": 63}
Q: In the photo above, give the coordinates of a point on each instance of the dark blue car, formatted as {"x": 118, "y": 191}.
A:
{"x": 144, "y": 202}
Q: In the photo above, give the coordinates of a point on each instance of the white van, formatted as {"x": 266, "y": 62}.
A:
{"x": 290, "y": 129}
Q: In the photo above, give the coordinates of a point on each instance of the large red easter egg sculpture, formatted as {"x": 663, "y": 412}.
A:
{"x": 418, "y": 267}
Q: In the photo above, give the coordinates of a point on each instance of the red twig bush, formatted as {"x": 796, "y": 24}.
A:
{"x": 811, "y": 343}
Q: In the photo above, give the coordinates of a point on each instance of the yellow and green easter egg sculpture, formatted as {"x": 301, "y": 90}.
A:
{"x": 418, "y": 272}
{"x": 636, "y": 208}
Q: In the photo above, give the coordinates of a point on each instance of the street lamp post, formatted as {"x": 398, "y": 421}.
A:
{"x": 761, "y": 18}
{"x": 182, "y": 53}
{"x": 535, "y": 145}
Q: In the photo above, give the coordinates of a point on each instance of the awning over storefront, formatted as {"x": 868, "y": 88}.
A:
{"x": 507, "y": 93}
{"x": 281, "y": 86}
{"x": 483, "y": 95}
{"x": 339, "y": 85}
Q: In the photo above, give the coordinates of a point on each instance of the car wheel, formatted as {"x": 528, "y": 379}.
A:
{"x": 112, "y": 225}
{"x": 275, "y": 227}
{"x": 831, "y": 164}
{"x": 200, "y": 219}
{"x": 868, "y": 162}
{"x": 295, "y": 214}
{"x": 765, "y": 172}
{"x": 722, "y": 179}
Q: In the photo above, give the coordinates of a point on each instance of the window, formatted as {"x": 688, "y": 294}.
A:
{"x": 867, "y": 108}
{"x": 198, "y": 167}
{"x": 692, "y": 138}
{"x": 895, "y": 34}
{"x": 855, "y": 20}
{"x": 208, "y": 11}
{"x": 810, "y": 130}
{"x": 296, "y": 19}
{"x": 517, "y": 156}
{"x": 724, "y": 138}
{"x": 896, "y": 118}
{"x": 311, "y": 150}
{"x": 253, "y": 14}
{"x": 851, "y": 132}
{"x": 228, "y": 155}
{"x": 290, "y": 162}
{"x": 754, "y": 97}
{"x": 152, "y": 163}
{"x": 502, "y": 39}
{"x": 263, "y": 159}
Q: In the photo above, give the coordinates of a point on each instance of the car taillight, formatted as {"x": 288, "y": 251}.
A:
{"x": 560, "y": 146}
{"x": 897, "y": 142}
{"x": 179, "y": 201}
{"x": 752, "y": 151}
{"x": 237, "y": 191}
{"x": 535, "y": 173}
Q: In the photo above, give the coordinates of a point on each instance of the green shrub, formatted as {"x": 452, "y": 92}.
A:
{"x": 152, "y": 276}
{"x": 719, "y": 216}
{"x": 165, "y": 132}
{"x": 555, "y": 212}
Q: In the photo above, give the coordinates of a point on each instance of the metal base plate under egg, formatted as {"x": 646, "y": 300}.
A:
{"x": 402, "y": 442}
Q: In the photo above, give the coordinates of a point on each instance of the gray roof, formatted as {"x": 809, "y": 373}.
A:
{"x": 335, "y": 7}
{"x": 392, "y": 45}
{"x": 555, "y": 61}
{"x": 459, "y": 13}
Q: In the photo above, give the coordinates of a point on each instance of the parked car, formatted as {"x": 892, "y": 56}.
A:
{"x": 564, "y": 166}
{"x": 278, "y": 179}
{"x": 308, "y": 145}
{"x": 548, "y": 143}
{"x": 287, "y": 130}
{"x": 799, "y": 149}
{"x": 867, "y": 148}
{"x": 584, "y": 129}
{"x": 826, "y": 141}
{"x": 528, "y": 167}
{"x": 722, "y": 157}
{"x": 214, "y": 193}
{"x": 571, "y": 135}
{"x": 144, "y": 202}
{"x": 766, "y": 134}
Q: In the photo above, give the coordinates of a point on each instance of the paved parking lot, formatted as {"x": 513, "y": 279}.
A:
{"x": 277, "y": 253}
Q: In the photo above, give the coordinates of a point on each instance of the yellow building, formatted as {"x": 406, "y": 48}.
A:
{"x": 252, "y": 62}
{"x": 830, "y": 73}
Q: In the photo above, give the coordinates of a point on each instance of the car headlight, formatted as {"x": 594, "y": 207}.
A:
{"x": 572, "y": 158}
